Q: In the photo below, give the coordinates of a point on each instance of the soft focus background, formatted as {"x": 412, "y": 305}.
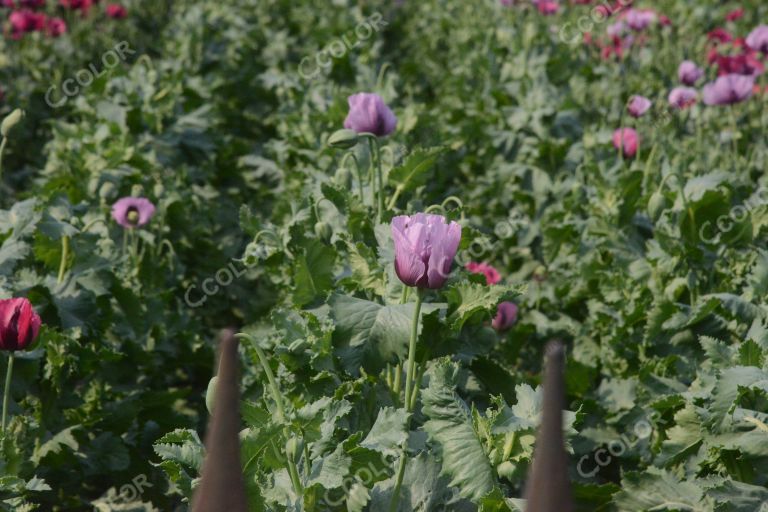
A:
{"x": 650, "y": 264}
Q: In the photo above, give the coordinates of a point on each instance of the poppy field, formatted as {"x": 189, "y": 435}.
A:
{"x": 392, "y": 207}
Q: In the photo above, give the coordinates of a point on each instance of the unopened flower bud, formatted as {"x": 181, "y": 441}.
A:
{"x": 323, "y": 231}
{"x": 293, "y": 449}
{"x": 656, "y": 204}
{"x": 343, "y": 139}
{"x": 210, "y": 393}
{"x": 10, "y": 121}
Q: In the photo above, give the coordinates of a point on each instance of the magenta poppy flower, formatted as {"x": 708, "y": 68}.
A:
{"x": 19, "y": 324}
{"x": 689, "y": 73}
{"x": 506, "y": 316}
{"x": 758, "y": 39}
{"x": 547, "y": 8}
{"x": 638, "y": 105}
{"x": 720, "y": 35}
{"x": 133, "y": 212}
{"x": 627, "y": 140}
{"x": 728, "y": 89}
{"x": 116, "y": 11}
{"x": 492, "y": 275}
{"x": 369, "y": 114}
{"x": 425, "y": 246}
{"x": 26, "y": 21}
{"x": 735, "y": 14}
{"x": 743, "y": 64}
{"x": 640, "y": 19}
{"x": 55, "y": 27}
{"x": 682, "y": 97}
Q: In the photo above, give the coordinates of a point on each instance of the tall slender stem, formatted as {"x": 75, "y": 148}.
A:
{"x": 376, "y": 154}
{"x": 64, "y": 256}
{"x": 357, "y": 172}
{"x": 292, "y": 471}
{"x": 409, "y": 384}
{"x": 2, "y": 149}
{"x": 7, "y": 390}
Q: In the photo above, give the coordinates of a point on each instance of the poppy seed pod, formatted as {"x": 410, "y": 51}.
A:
{"x": 19, "y": 324}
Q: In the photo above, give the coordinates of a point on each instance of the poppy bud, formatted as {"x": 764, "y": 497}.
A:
{"x": 210, "y": 393}
{"x": 343, "y": 177}
{"x": 19, "y": 324}
{"x": 343, "y": 139}
{"x": 107, "y": 190}
{"x": 506, "y": 316}
{"x": 323, "y": 231}
{"x": 656, "y": 205}
{"x": 10, "y": 121}
{"x": 293, "y": 449}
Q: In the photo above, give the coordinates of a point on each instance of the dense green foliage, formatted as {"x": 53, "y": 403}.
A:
{"x": 502, "y": 121}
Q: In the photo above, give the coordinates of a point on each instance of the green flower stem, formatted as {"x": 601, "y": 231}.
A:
{"x": 292, "y": 471}
{"x": 64, "y": 257}
{"x": 7, "y": 390}
{"x": 2, "y": 149}
{"x": 395, "y": 197}
{"x": 376, "y": 173}
{"x": 734, "y": 140}
{"x": 409, "y": 403}
{"x": 357, "y": 172}
{"x": 399, "y": 367}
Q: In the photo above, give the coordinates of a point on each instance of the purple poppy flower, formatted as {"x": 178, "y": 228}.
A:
{"x": 758, "y": 39}
{"x": 682, "y": 97}
{"x": 133, "y": 212}
{"x": 616, "y": 29}
{"x": 638, "y": 105}
{"x": 506, "y": 316}
{"x": 689, "y": 73}
{"x": 425, "y": 246}
{"x": 729, "y": 89}
{"x": 368, "y": 113}
{"x": 640, "y": 19}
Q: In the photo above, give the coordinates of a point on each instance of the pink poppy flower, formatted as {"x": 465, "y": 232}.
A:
{"x": 492, "y": 275}
{"x": 133, "y": 212}
{"x": 638, "y": 105}
{"x": 682, "y": 97}
{"x": 627, "y": 140}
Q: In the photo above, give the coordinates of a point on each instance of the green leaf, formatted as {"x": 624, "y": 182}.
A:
{"x": 389, "y": 431}
{"x": 450, "y": 425}
{"x": 182, "y": 446}
{"x": 414, "y": 171}
{"x": 466, "y": 298}
{"x": 369, "y": 335}
{"x": 750, "y": 354}
{"x": 659, "y": 490}
{"x": 313, "y": 273}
